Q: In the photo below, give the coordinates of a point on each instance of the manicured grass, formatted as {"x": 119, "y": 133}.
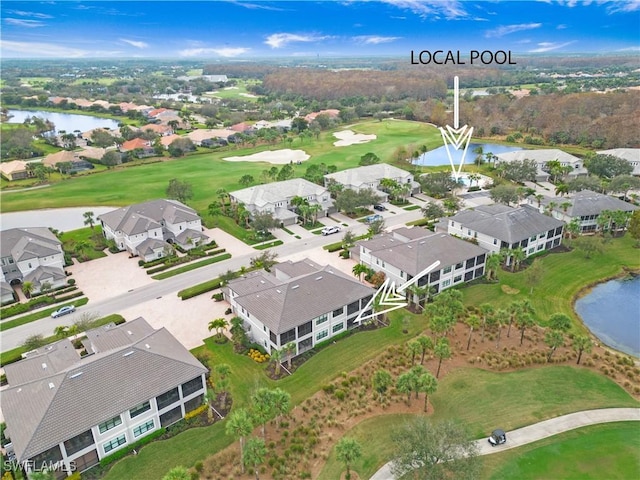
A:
{"x": 486, "y": 400}
{"x": 32, "y": 317}
{"x": 412, "y": 207}
{"x": 72, "y": 237}
{"x": 565, "y": 275}
{"x": 264, "y": 246}
{"x": 208, "y": 172}
{"x": 191, "y": 266}
{"x": 610, "y": 451}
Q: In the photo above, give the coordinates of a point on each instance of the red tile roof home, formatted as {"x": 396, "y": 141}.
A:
{"x": 63, "y": 156}
{"x": 159, "y": 129}
{"x": 331, "y": 112}
{"x": 156, "y": 111}
{"x": 240, "y": 127}
{"x": 135, "y": 143}
{"x": 166, "y": 141}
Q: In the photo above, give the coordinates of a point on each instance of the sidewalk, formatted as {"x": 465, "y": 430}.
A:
{"x": 544, "y": 429}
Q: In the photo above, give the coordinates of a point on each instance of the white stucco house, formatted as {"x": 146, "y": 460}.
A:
{"x": 276, "y": 198}
{"x": 497, "y": 227}
{"x": 370, "y": 176}
{"x": 71, "y": 411}
{"x": 31, "y": 255}
{"x": 144, "y": 229}
{"x": 542, "y": 157}
{"x": 300, "y": 302}
{"x": 631, "y": 155}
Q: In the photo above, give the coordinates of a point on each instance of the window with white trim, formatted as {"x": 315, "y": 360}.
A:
{"x": 115, "y": 443}
{"x": 109, "y": 424}
{"x": 145, "y": 427}
{"x": 322, "y": 334}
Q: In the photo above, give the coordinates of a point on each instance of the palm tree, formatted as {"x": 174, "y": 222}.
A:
{"x": 428, "y": 384}
{"x": 425, "y": 344}
{"x": 525, "y": 321}
{"x": 89, "y": 219}
{"x": 565, "y": 206}
{"x": 219, "y": 324}
{"x": 222, "y": 195}
{"x": 553, "y": 339}
{"x": 473, "y": 321}
{"x": 381, "y": 382}
{"x": 414, "y": 349}
{"x": 314, "y": 210}
{"x": 239, "y": 425}
{"x": 348, "y": 450}
{"x": 290, "y": 350}
{"x": 474, "y": 177}
{"x": 562, "y": 189}
{"x": 582, "y": 343}
{"x": 28, "y": 288}
{"x": 276, "y": 359}
{"x": 486, "y": 310}
{"x": 359, "y": 269}
{"x": 262, "y": 407}
{"x": 517, "y": 256}
{"x": 254, "y": 454}
{"x": 442, "y": 350}
{"x": 61, "y": 331}
{"x": 539, "y": 198}
{"x": 515, "y": 309}
{"x": 404, "y": 385}
{"x": 501, "y": 318}
{"x": 281, "y": 402}
{"x": 491, "y": 266}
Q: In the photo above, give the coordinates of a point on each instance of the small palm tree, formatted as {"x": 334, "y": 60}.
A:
{"x": 348, "y": 450}
{"x": 276, "y": 358}
{"x": 219, "y": 324}
{"x": 359, "y": 269}
{"x": 89, "y": 219}
{"x": 61, "y": 331}
{"x": 28, "y": 288}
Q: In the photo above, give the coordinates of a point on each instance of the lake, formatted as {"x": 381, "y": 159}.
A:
{"x": 439, "y": 155}
{"x": 612, "y": 312}
{"x": 68, "y": 122}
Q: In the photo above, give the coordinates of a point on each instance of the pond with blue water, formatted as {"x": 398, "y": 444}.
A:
{"x": 68, "y": 122}
{"x": 611, "y": 310}
{"x": 439, "y": 156}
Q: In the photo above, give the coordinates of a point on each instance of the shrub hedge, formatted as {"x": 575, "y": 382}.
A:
{"x": 199, "y": 289}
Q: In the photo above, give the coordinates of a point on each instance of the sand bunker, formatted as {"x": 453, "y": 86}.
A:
{"x": 279, "y": 157}
{"x": 347, "y": 137}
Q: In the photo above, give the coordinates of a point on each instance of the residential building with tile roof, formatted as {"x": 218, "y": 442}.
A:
{"x": 370, "y": 176}
{"x": 64, "y": 407}
{"x": 145, "y": 228}
{"x": 32, "y": 255}
{"x": 542, "y": 157}
{"x": 14, "y": 170}
{"x": 300, "y": 302}
{"x": 631, "y": 155}
{"x": 584, "y": 206}
{"x": 276, "y": 198}
{"x": 497, "y": 227}
{"x": 406, "y": 252}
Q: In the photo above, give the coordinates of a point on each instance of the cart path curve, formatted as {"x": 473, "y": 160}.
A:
{"x": 538, "y": 431}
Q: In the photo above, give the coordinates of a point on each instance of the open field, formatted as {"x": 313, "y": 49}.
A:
{"x": 599, "y": 451}
{"x": 237, "y": 91}
{"x": 208, "y": 172}
{"x": 471, "y": 395}
{"x": 565, "y": 275}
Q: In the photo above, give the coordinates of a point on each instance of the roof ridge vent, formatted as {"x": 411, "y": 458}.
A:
{"x": 76, "y": 375}
{"x": 130, "y": 352}
{"x": 319, "y": 278}
{"x": 295, "y": 286}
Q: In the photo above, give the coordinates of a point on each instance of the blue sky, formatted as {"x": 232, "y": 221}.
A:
{"x": 254, "y": 28}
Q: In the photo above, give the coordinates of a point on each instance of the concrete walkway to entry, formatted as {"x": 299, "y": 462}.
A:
{"x": 547, "y": 428}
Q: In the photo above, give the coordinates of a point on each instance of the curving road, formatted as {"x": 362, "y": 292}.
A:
{"x": 544, "y": 429}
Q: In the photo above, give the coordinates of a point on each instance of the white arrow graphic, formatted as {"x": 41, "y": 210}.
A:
{"x": 390, "y": 296}
{"x": 455, "y": 137}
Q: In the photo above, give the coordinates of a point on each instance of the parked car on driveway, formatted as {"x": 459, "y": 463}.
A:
{"x": 373, "y": 218}
{"x": 63, "y": 311}
{"x": 379, "y": 207}
{"x": 330, "y": 230}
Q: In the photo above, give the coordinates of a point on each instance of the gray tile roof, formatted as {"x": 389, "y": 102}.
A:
{"x": 586, "y": 202}
{"x": 184, "y": 236}
{"x": 300, "y": 299}
{"x": 414, "y": 256}
{"x": 270, "y": 193}
{"x": 43, "y": 272}
{"x": 506, "y": 223}
{"x": 26, "y": 243}
{"x": 628, "y": 154}
{"x": 368, "y": 174}
{"x": 542, "y": 156}
{"x": 290, "y": 269}
{"x": 44, "y": 412}
{"x": 149, "y": 245}
{"x": 141, "y": 217}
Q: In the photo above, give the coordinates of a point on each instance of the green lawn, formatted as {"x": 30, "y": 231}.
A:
{"x": 192, "y": 266}
{"x": 610, "y": 451}
{"x": 72, "y": 237}
{"x": 565, "y": 275}
{"x": 208, "y": 172}
{"x": 486, "y": 400}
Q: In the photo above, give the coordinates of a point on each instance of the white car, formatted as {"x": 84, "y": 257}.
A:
{"x": 330, "y": 230}
{"x": 63, "y": 311}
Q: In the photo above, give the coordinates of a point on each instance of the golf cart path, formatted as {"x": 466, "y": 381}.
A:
{"x": 544, "y": 429}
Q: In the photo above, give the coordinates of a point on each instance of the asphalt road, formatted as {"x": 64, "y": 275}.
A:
{"x": 544, "y": 429}
{"x": 15, "y": 337}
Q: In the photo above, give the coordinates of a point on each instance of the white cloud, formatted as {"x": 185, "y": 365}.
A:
{"x": 21, "y": 22}
{"x": 509, "y": 29}
{"x": 374, "y": 39}
{"x": 30, "y": 49}
{"x": 258, "y": 6}
{"x": 227, "y": 52}
{"x": 279, "y": 40}
{"x": 135, "y": 43}
{"x": 22, "y": 13}
{"x": 450, "y": 9}
{"x": 622, "y": 6}
{"x": 562, "y": 26}
{"x": 549, "y": 46}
